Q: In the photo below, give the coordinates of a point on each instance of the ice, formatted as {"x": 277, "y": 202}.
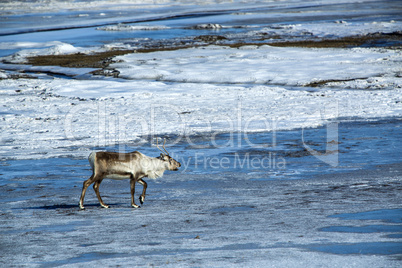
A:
{"x": 11, "y": 45}
{"x": 37, "y": 49}
{"x": 91, "y": 113}
{"x": 227, "y": 220}
{"x": 208, "y": 89}
{"x": 121, "y": 27}
{"x": 335, "y": 28}
{"x": 262, "y": 65}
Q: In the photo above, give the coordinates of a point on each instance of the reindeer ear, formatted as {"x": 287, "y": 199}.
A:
{"x": 162, "y": 157}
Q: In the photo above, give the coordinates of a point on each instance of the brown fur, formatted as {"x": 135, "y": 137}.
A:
{"x": 133, "y": 166}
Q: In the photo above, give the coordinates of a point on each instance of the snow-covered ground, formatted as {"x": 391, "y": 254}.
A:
{"x": 216, "y": 104}
{"x": 198, "y": 90}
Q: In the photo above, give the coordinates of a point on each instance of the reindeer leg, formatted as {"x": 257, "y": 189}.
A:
{"x": 132, "y": 186}
{"x": 96, "y": 189}
{"x": 144, "y": 184}
{"x": 84, "y": 189}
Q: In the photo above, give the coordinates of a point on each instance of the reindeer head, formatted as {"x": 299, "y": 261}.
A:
{"x": 171, "y": 163}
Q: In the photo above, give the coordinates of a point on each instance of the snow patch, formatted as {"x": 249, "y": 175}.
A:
{"x": 38, "y": 49}
{"x": 263, "y": 65}
{"x": 123, "y": 27}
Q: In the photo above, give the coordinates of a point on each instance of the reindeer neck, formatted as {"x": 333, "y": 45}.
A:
{"x": 155, "y": 167}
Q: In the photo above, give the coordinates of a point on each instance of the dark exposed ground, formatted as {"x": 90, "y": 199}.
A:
{"x": 103, "y": 59}
{"x": 393, "y": 40}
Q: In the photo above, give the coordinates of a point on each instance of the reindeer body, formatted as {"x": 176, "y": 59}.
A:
{"x": 119, "y": 166}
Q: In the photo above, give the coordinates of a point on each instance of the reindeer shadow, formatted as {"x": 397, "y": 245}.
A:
{"x": 73, "y": 207}
{"x": 56, "y": 206}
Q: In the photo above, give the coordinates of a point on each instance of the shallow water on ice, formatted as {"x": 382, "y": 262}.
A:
{"x": 209, "y": 215}
{"x": 267, "y": 156}
{"x": 220, "y": 219}
{"x": 80, "y": 24}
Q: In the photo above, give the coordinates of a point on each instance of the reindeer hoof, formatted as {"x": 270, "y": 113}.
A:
{"x": 105, "y": 206}
{"x": 135, "y": 206}
{"x": 141, "y": 200}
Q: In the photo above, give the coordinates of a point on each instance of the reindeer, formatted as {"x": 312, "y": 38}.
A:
{"x": 134, "y": 166}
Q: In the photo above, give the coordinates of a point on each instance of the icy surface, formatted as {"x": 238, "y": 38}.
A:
{"x": 263, "y": 65}
{"x": 121, "y": 27}
{"x": 203, "y": 220}
{"x": 192, "y": 91}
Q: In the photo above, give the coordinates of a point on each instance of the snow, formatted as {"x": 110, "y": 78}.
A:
{"x": 125, "y": 111}
{"x": 32, "y": 49}
{"x": 197, "y": 90}
{"x": 121, "y": 27}
{"x": 263, "y": 65}
{"x": 334, "y": 28}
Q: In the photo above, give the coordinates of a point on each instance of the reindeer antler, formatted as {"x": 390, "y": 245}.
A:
{"x": 164, "y": 141}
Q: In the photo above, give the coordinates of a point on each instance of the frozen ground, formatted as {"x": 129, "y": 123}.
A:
{"x": 247, "y": 204}
{"x": 290, "y": 155}
{"x": 203, "y": 220}
{"x": 199, "y": 90}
